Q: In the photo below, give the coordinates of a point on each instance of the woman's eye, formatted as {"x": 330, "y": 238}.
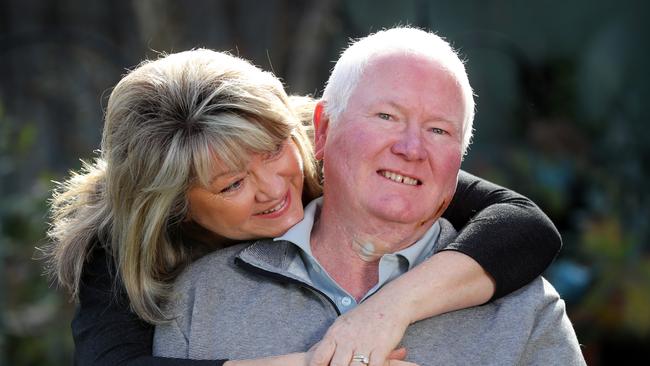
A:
{"x": 275, "y": 153}
{"x": 438, "y": 131}
{"x": 233, "y": 187}
{"x": 384, "y": 116}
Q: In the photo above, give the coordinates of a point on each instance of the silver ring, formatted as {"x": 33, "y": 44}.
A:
{"x": 361, "y": 358}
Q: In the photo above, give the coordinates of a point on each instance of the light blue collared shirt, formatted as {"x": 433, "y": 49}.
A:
{"x": 390, "y": 265}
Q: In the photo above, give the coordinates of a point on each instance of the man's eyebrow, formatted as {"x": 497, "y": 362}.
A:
{"x": 391, "y": 103}
{"x": 381, "y": 103}
{"x": 403, "y": 109}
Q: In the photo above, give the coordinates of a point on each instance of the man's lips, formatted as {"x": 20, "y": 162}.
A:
{"x": 277, "y": 210}
{"x": 399, "y": 178}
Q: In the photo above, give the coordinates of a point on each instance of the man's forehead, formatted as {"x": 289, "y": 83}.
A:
{"x": 404, "y": 65}
{"x": 400, "y": 81}
{"x": 405, "y": 60}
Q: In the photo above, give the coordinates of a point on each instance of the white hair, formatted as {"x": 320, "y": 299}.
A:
{"x": 354, "y": 60}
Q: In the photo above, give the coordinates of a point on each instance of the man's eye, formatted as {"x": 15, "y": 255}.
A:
{"x": 233, "y": 187}
{"x": 438, "y": 131}
{"x": 384, "y": 116}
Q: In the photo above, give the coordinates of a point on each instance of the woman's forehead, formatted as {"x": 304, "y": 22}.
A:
{"x": 222, "y": 165}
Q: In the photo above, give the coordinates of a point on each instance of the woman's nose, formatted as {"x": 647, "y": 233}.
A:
{"x": 270, "y": 185}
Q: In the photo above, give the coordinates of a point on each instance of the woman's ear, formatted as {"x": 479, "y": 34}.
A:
{"x": 321, "y": 124}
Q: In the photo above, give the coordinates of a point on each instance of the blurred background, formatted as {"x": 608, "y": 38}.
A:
{"x": 560, "y": 88}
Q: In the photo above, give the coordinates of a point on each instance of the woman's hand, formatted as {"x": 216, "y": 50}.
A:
{"x": 328, "y": 352}
{"x": 376, "y": 326}
{"x": 304, "y": 359}
{"x": 372, "y": 329}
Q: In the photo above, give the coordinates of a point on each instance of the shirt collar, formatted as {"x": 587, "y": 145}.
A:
{"x": 300, "y": 233}
{"x": 415, "y": 254}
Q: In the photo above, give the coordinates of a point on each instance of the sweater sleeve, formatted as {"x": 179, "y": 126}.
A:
{"x": 505, "y": 232}
{"x": 106, "y": 331}
{"x": 552, "y": 340}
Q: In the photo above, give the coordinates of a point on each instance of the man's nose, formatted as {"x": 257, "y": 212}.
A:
{"x": 270, "y": 185}
{"x": 410, "y": 145}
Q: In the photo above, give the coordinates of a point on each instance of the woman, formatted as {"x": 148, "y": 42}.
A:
{"x": 127, "y": 226}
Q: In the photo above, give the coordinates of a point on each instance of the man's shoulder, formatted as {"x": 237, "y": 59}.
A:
{"x": 447, "y": 233}
{"x": 539, "y": 291}
{"x": 523, "y": 306}
{"x": 219, "y": 256}
{"x": 541, "y": 331}
{"x": 213, "y": 264}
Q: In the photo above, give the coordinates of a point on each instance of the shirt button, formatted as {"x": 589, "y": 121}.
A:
{"x": 346, "y": 301}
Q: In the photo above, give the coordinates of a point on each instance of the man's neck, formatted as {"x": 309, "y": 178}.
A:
{"x": 350, "y": 248}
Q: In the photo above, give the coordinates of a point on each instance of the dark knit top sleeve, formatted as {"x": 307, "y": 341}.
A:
{"x": 105, "y": 330}
{"x": 505, "y": 232}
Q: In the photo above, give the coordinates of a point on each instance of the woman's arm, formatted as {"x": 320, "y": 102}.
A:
{"x": 302, "y": 359}
{"x": 505, "y": 241}
{"x": 503, "y": 231}
{"x": 104, "y": 329}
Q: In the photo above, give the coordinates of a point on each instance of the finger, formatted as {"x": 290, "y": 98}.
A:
{"x": 380, "y": 359}
{"x": 322, "y": 353}
{"x": 400, "y": 363}
{"x": 342, "y": 355}
{"x": 397, "y": 354}
{"x": 357, "y": 359}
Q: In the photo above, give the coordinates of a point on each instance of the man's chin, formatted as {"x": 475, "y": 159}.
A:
{"x": 402, "y": 216}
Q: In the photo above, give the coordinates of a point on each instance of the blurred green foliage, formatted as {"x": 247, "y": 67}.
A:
{"x": 618, "y": 301}
{"x": 33, "y": 315}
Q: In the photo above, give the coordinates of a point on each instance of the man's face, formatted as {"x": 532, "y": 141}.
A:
{"x": 395, "y": 152}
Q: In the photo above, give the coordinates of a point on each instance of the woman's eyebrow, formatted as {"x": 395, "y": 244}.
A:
{"x": 220, "y": 175}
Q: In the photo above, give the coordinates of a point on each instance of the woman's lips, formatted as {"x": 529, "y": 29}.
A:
{"x": 277, "y": 210}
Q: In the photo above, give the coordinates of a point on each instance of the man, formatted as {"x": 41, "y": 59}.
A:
{"x": 391, "y": 129}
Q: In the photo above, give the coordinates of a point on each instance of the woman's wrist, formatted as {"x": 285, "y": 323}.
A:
{"x": 445, "y": 282}
{"x": 395, "y": 303}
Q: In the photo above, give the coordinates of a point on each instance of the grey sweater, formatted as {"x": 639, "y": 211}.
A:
{"x": 241, "y": 302}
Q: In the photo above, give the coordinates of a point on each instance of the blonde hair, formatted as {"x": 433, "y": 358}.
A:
{"x": 406, "y": 40}
{"x": 165, "y": 123}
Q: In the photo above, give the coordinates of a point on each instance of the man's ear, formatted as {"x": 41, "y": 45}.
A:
{"x": 321, "y": 124}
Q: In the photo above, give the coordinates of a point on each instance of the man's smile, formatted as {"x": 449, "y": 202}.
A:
{"x": 399, "y": 178}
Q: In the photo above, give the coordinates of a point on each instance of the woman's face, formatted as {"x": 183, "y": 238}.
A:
{"x": 263, "y": 200}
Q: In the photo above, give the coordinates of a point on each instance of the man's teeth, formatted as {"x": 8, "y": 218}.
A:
{"x": 399, "y": 178}
{"x": 279, "y": 206}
